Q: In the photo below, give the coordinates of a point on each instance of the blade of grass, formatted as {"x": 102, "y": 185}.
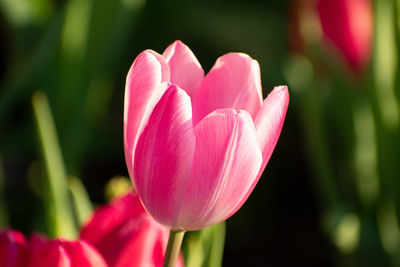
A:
{"x": 385, "y": 62}
{"x": 58, "y": 206}
{"x": 366, "y": 155}
{"x": 81, "y": 202}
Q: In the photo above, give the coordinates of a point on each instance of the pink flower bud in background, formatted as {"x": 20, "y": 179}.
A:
{"x": 62, "y": 253}
{"x": 348, "y": 24}
{"x": 345, "y": 27}
{"x": 196, "y": 146}
{"x": 13, "y": 249}
{"x": 126, "y": 235}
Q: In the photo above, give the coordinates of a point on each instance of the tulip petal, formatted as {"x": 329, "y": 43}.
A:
{"x": 110, "y": 216}
{"x": 84, "y": 255}
{"x": 269, "y": 121}
{"x": 348, "y": 24}
{"x": 233, "y": 82}
{"x": 62, "y": 253}
{"x": 164, "y": 154}
{"x": 226, "y": 161}
{"x": 55, "y": 257}
{"x": 186, "y": 71}
{"x": 126, "y": 235}
{"x": 141, "y": 242}
{"x": 142, "y": 92}
{"x": 52, "y": 253}
{"x": 36, "y": 241}
{"x": 13, "y": 249}
{"x": 137, "y": 242}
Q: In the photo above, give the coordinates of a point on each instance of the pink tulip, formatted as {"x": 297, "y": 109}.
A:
{"x": 126, "y": 235}
{"x": 62, "y": 253}
{"x": 348, "y": 25}
{"x": 13, "y": 249}
{"x": 196, "y": 146}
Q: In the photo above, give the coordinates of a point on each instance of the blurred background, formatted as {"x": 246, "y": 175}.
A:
{"x": 329, "y": 195}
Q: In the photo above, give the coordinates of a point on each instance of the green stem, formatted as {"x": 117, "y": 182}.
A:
{"x": 173, "y": 248}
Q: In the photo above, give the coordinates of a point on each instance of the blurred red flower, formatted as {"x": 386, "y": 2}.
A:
{"x": 16, "y": 251}
{"x": 126, "y": 235}
{"x": 62, "y": 253}
{"x": 13, "y": 249}
{"x": 348, "y": 25}
{"x": 344, "y": 26}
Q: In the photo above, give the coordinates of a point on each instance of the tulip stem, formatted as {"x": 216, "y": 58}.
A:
{"x": 173, "y": 248}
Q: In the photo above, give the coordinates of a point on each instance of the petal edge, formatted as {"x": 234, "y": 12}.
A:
{"x": 164, "y": 155}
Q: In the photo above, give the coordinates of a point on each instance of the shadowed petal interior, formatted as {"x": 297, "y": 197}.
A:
{"x": 233, "y": 82}
{"x": 186, "y": 71}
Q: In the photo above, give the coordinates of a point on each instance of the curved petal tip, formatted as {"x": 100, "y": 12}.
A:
{"x": 186, "y": 70}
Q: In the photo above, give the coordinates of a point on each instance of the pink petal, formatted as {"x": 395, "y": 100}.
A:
{"x": 52, "y": 253}
{"x": 186, "y": 71}
{"x": 233, "y": 82}
{"x": 164, "y": 154}
{"x": 13, "y": 249}
{"x": 142, "y": 242}
{"x": 62, "y": 253}
{"x": 269, "y": 122}
{"x": 142, "y": 91}
{"x": 57, "y": 257}
{"x": 36, "y": 241}
{"x": 137, "y": 243}
{"x": 84, "y": 255}
{"x": 126, "y": 235}
{"x": 226, "y": 162}
{"x": 107, "y": 217}
{"x": 348, "y": 24}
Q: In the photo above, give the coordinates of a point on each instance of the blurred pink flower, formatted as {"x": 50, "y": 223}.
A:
{"x": 13, "y": 249}
{"x": 349, "y": 25}
{"x": 126, "y": 235}
{"x": 62, "y": 253}
{"x": 346, "y": 27}
{"x": 196, "y": 146}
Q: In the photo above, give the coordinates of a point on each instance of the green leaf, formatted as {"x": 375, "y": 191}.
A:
{"x": 80, "y": 199}
{"x": 57, "y": 203}
{"x": 385, "y": 63}
{"x": 205, "y": 248}
{"x": 216, "y": 251}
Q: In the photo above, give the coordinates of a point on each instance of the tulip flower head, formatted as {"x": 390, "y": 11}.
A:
{"x": 348, "y": 24}
{"x": 195, "y": 145}
{"x": 126, "y": 235}
{"x": 344, "y": 26}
